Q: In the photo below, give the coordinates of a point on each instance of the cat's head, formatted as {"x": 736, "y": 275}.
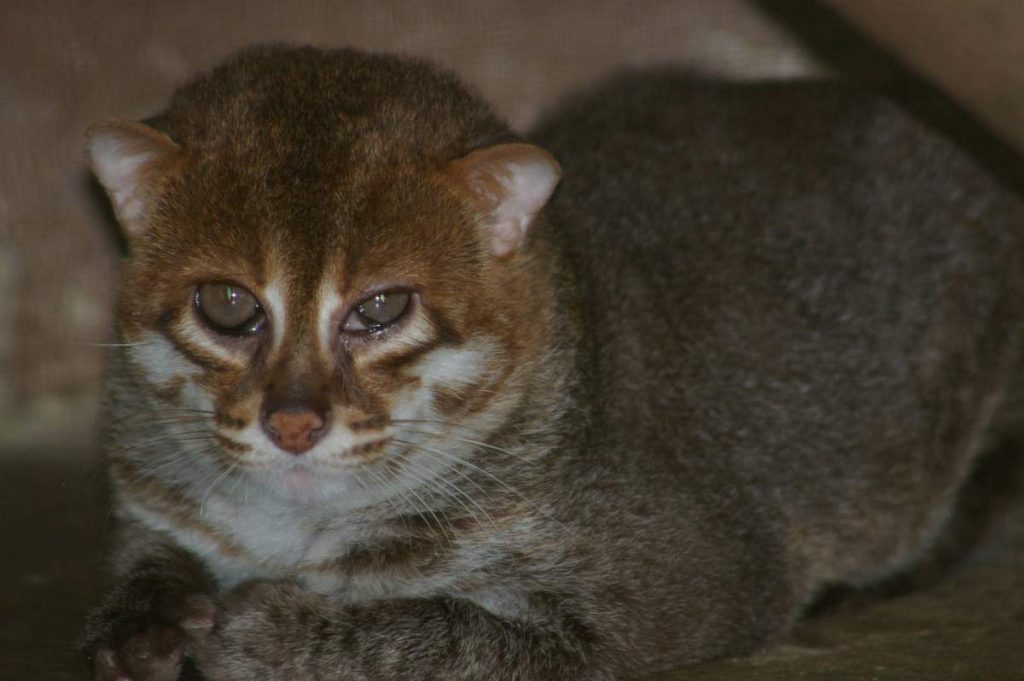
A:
{"x": 327, "y": 263}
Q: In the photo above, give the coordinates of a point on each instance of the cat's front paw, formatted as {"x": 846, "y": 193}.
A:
{"x": 147, "y": 646}
{"x": 263, "y": 630}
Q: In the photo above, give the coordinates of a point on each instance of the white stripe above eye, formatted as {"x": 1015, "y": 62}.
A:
{"x": 273, "y": 298}
{"x": 329, "y": 305}
{"x": 414, "y": 332}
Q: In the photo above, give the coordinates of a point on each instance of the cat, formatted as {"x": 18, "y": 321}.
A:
{"x": 402, "y": 396}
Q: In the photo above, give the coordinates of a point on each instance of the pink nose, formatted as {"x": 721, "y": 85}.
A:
{"x": 294, "y": 431}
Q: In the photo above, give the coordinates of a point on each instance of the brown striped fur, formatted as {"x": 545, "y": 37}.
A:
{"x": 749, "y": 349}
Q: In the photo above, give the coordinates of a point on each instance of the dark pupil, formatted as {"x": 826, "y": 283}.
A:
{"x": 227, "y": 307}
{"x": 383, "y": 308}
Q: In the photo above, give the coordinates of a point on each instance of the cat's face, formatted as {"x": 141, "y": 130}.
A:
{"x": 351, "y": 331}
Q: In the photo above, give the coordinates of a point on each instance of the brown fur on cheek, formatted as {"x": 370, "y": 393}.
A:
{"x": 234, "y": 408}
{"x": 350, "y": 390}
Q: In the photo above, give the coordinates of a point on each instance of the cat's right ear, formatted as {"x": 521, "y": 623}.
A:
{"x": 131, "y": 160}
{"x": 510, "y": 183}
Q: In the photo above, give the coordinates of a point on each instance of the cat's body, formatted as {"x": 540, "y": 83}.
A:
{"x": 750, "y": 348}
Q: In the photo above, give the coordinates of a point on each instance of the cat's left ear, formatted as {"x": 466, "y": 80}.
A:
{"x": 131, "y": 160}
{"x": 510, "y": 183}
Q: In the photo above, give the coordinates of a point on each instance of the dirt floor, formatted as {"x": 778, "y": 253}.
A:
{"x": 970, "y": 627}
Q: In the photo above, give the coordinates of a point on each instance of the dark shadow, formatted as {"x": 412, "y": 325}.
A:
{"x": 994, "y": 488}
{"x": 997, "y": 481}
{"x": 98, "y": 196}
{"x": 843, "y": 48}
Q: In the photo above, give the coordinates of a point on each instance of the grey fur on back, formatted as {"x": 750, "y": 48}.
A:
{"x": 754, "y": 345}
{"x": 828, "y": 297}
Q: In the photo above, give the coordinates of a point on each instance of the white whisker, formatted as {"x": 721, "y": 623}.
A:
{"x": 469, "y": 464}
{"x": 455, "y": 467}
{"x": 434, "y": 477}
{"x": 464, "y": 440}
{"x": 216, "y": 481}
{"x": 427, "y": 508}
{"x": 381, "y": 482}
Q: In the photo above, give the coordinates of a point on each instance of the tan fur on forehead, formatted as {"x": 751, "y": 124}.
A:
{"x": 338, "y": 104}
{"x": 405, "y": 223}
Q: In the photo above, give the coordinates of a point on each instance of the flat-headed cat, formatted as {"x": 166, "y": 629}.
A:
{"x": 402, "y": 397}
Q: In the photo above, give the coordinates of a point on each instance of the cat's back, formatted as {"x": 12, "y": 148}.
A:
{"x": 687, "y": 203}
{"x": 665, "y": 161}
{"x": 775, "y": 271}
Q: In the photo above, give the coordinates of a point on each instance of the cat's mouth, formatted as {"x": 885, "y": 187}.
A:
{"x": 353, "y": 456}
{"x": 303, "y": 475}
{"x": 361, "y": 472}
{"x": 299, "y": 478}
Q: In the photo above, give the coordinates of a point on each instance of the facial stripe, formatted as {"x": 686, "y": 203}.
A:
{"x": 171, "y": 391}
{"x": 199, "y": 347}
{"x": 273, "y": 298}
{"x": 328, "y": 306}
{"x": 404, "y": 357}
{"x": 375, "y": 422}
{"x": 163, "y": 366}
{"x": 415, "y": 332}
{"x": 464, "y": 374}
{"x": 226, "y": 420}
{"x": 171, "y": 506}
{"x": 457, "y": 366}
{"x": 351, "y": 392}
{"x": 232, "y": 446}
{"x": 420, "y": 336}
{"x": 161, "y": 363}
{"x": 467, "y": 400}
{"x": 447, "y": 333}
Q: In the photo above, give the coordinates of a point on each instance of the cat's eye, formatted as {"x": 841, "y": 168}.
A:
{"x": 377, "y": 311}
{"x": 229, "y": 309}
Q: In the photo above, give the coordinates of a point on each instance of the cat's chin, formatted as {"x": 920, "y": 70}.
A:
{"x": 302, "y": 481}
{"x": 305, "y": 481}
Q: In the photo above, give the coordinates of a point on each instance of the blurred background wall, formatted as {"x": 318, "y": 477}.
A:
{"x": 67, "y": 63}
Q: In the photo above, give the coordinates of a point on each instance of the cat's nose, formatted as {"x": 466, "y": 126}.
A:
{"x": 294, "y": 430}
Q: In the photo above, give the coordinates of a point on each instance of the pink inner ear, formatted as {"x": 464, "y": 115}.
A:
{"x": 120, "y": 172}
{"x": 512, "y": 182}
{"x": 506, "y": 237}
{"x": 129, "y": 159}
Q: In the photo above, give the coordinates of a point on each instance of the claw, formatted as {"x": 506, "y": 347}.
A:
{"x": 106, "y": 668}
{"x": 200, "y": 614}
